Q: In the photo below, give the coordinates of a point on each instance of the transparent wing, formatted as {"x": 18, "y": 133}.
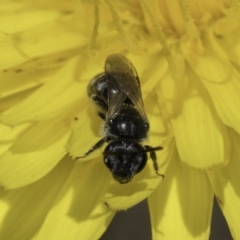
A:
{"x": 123, "y": 83}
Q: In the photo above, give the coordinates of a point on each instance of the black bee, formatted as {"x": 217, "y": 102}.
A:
{"x": 117, "y": 95}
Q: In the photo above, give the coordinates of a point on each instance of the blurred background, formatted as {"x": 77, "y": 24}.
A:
{"x": 135, "y": 224}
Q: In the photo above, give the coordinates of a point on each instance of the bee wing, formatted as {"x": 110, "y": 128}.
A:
{"x": 123, "y": 83}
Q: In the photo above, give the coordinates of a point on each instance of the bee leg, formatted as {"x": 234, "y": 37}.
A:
{"x": 94, "y": 147}
{"x": 153, "y": 156}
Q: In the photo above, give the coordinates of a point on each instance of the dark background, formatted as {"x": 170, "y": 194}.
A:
{"x": 120, "y": 228}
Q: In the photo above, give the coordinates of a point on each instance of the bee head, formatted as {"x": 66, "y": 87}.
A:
{"x": 124, "y": 158}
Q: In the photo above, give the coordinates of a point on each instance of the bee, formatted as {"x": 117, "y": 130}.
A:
{"x": 116, "y": 93}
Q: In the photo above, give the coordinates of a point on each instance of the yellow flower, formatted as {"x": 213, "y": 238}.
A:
{"x": 187, "y": 57}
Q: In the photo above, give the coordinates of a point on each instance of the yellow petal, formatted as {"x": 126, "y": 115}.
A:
{"x": 231, "y": 46}
{"x": 201, "y": 137}
{"x": 16, "y": 12}
{"x": 34, "y": 154}
{"x": 24, "y": 210}
{"x": 16, "y": 82}
{"x": 78, "y": 212}
{"x": 37, "y": 42}
{"x": 63, "y": 5}
{"x": 85, "y": 133}
{"x": 150, "y": 69}
{"x": 9, "y": 135}
{"x": 225, "y": 183}
{"x": 218, "y": 75}
{"x": 60, "y": 92}
{"x": 181, "y": 206}
{"x": 225, "y": 27}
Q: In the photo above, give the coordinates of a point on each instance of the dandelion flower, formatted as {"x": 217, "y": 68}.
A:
{"x": 187, "y": 57}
